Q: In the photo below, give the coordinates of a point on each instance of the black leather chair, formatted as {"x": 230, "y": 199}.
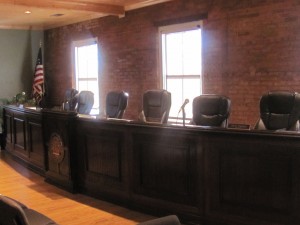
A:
{"x": 167, "y": 220}
{"x": 116, "y": 103}
{"x": 13, "y": 212}
{"x": 156, "y": 106}
{"x": 70, "y": 100}
{"x": 211, "y": 110}
{"x": 279, "y": 110}
{"x": 85, "y": 102}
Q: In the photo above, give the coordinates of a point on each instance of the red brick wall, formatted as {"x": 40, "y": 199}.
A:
{"x": 249, "y": 47}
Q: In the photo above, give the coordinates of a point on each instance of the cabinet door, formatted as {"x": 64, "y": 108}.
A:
{"x": 35, "y": 143}
{"x": 9, "y": 131}
{"x": 165, "y": 171}
{"x": 19, "y": 136}
{"x": 253, "y": 179}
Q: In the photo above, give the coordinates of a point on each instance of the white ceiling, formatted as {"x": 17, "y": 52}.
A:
{"x": 44, "y": 12}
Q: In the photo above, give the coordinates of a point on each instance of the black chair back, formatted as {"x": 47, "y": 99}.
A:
{"x": 166, "y": 220}
{"x": 279, "y": 110}
{"x": 156, "y": 105}
{"x": 71, "y": 99}
{"x": 116, "y": 103}
{"x": 85, "y": 102}
{"x": 11, "y": 212}
{"x": 211, "y": 110}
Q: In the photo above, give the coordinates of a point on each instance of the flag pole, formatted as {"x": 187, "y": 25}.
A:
{"x": 43, "y": 69}
{"x": 38, "y": 81}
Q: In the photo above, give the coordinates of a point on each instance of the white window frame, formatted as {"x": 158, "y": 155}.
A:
{"x": 81, "y": 43}
{"x": 173, "y": 29}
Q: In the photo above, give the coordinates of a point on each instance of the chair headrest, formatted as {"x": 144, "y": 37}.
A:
{"x": 211, "y": 110}
{"x": 85, "y": 96}
{"x": 280, "y": 109}
{"x": 117, "y": 98}
{"x": 70, "y": 94}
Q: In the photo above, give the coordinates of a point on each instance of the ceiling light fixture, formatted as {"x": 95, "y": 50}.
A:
{"x": 27, "y": 12}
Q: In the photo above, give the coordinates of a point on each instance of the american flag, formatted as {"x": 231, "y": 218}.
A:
{"x": 38, "y": 81}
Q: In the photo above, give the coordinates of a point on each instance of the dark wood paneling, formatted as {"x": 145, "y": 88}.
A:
{"x": 8, "y": 118}
{"x": 24, "y": 136}
{"x": 19, "y": 135}
{"x": 205, "y": 176}
{"x": 103, "y": 155}
{"x": 36, "y": 144}
{"x": 165, "y": 167}
{"x": 62, "y": 170}
{"x": 254, "y": 178}
{"x": 103, "y": 161}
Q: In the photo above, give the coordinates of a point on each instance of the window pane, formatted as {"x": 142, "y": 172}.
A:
{"x": 82, "y": 85}
{"x": 86, "y": 63}
{"x": 181, "y": 65}
{"x": 191, "y": 89}
{"x": 92, "y": 55}
{"x": 182, "y": 89}
{"x": 174, "y": 54}
{"x": 87, "y": 60}
{"x": 192, "y": 52}
{"x": 175, "y": 88}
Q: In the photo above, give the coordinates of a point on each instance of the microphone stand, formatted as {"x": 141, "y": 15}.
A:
{"x": 183, "y": 116}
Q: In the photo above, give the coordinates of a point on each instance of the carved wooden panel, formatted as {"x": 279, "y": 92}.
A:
{"x": 20, "y": 135}
{"x": 165, "y": 167}
{"x": 103, "y": 155}
{"x": 253, "y": 178}
{"x": 36, "y": 145}
{"x": 59, "y": 166}
{"x": 255, "y": 181}
{"x": 61, "y": 147}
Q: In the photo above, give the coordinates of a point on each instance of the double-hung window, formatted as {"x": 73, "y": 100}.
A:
{"x": 86, "y": 69}
{"x": 181, "y": 64}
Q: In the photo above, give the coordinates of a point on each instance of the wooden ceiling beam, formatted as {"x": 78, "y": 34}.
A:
{"x": 69, "y": 5}
{"x": 140, "y": 4}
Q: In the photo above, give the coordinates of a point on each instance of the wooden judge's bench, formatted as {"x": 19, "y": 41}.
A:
{"x": 204, "y": 175}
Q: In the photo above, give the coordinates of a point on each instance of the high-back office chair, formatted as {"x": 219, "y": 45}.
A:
{"x": 116, "y": 103}
{"x": 279, "y": 110}
{"x": 211, "y": 110}
{"x": 85, "y": 102}
{"x": 71, "y": 99}
{"x": 15, "y": 213}
{"x": 156, "y": 106}
{"x": 166, "y": 220}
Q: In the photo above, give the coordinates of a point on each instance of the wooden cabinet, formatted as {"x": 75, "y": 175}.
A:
{"x": 44, "y": 141}
{"x": 60, "y": 145}
{"x": 103, "y": 160}
{"x": 24, "y": 136}
{"x": 210, "y": 176}
{"x": 204, "y": 175}
{"x": 252, "y": 180}
{"x": 166, "y": 170}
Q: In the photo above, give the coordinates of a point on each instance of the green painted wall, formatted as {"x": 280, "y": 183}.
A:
{"x": 18, "y": 54}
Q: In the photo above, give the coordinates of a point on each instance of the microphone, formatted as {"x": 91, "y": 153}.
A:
{"x": 186, "y": 101}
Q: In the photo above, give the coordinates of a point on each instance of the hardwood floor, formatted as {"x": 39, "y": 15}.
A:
{"x": 63, "y": 207}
